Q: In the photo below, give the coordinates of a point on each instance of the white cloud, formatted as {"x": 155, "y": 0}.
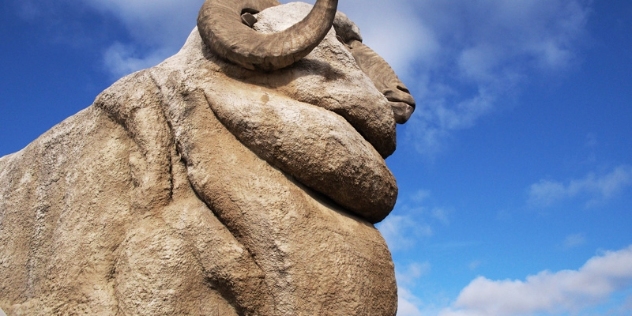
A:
{"x": 28, "y": 10}
{"x": 420, "y": 196}
{"x": 155, "y": 29}
{"x": 441, "y": 215}
{"x": 396, "y": 31}
{"x": 410, "y": 221}
{"x": 411, "y": 273}
{"x": 157, "y": 23}
{"x": 626, "y": 308}
{"x": 595, "y": 187}
{"x": 402, "y": 231}
{"x": 122, "y": 59}
{"x": 484, "y": 50}
{"x": 407, "y": 303}
{"x": 459, "y": 57}
{"x": 474, "y": 264}
{"x": 158, "y": 29}
{"x": 574, "y": 240}
{"x": 568, "y": 291}
{"x": 591, "y": 141}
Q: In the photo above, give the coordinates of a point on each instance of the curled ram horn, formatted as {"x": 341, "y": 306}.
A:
{"x": 221, "y": 27}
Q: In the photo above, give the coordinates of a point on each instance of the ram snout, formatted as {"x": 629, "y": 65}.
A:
{"x": 376, "y": 68}
{"x": 384, "y": 79}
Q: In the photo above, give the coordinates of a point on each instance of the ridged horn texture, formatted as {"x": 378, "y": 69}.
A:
{"x": 222, "y": 30}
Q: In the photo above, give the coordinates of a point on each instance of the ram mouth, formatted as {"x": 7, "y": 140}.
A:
{"x": 402, "y": 103}
{"x": 375, "y": 118}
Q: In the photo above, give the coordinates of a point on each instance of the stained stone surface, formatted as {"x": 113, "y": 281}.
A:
{"x": 197, "y": 187}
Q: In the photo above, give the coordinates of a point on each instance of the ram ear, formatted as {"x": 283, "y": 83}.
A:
{"x": 346, "y": 30}
{"x": 221, "y": 27}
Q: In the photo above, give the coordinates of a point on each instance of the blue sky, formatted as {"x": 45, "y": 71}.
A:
{"x": 515, "y": 172}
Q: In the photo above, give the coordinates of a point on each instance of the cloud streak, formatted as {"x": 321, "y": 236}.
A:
{"x": 486, "y": 50}
{"x": 121, "y": 59}
{"x": 574, "y": 240}
{"x": 408, "y": 303}
{"x": 155, "y": 23}
{"x": 595, "y": 187}
{"x": 403, "y": 231}
{"x": 568, "y": 291}
{"x": 411, "y": 221}
{"x": 462, "y": 59}
{"x": 158, "y": 28}
{"x": 412, "y": 272}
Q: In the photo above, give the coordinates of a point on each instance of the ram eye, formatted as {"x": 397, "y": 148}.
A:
{"x": 248, "y": 19}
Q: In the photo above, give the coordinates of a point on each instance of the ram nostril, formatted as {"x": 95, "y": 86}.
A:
{"x": 403, "y": 88}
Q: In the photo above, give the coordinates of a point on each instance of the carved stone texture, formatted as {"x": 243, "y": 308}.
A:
{"x": 200, "y": 187}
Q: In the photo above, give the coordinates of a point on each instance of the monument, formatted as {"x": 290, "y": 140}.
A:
{"x": 241, "y": 176}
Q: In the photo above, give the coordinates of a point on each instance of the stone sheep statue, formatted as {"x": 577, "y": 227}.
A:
{"x": 241, "y": 176}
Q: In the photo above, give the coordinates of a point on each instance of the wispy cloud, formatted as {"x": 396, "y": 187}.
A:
{"x": 157, "y": 28}
{"x": 401, "y": 232}
{"x": 462, "y": 58}
{"x": 411, "y": 221}
{"x": 153, "y": 22}
{"x": 475, "y": 264}
{"x": 568, "y": 291}
{"x": 28, "y": 10}
{"x": 593, "y": 187}
{"x": 408, "y": 303}
{"x": 123, "y": 59}
{"x": 409, "y": 274}
{"x": 396, "y": 30}
{"x": 496, "y": 45}
{"x": 574, "y": 240}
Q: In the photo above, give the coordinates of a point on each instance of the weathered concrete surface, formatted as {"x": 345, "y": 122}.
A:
{"x": 198, "y": 187}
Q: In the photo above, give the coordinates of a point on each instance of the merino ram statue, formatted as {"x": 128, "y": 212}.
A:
{"x": 242, "y": 176}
